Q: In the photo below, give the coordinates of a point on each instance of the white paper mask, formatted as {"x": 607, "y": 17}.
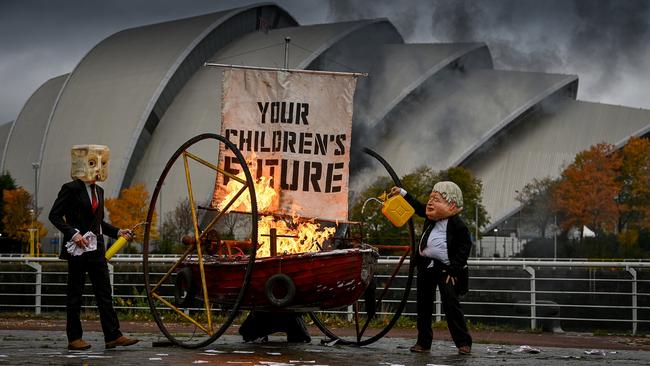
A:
{"x": 90, "y": 162}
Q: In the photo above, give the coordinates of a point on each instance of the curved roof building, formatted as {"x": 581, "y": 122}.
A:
{"x": 143, "y": 92}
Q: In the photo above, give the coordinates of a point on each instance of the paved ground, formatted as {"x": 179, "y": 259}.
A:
{"x": 39, "y": 342}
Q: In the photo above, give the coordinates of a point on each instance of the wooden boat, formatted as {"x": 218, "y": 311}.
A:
{"x": 294, "y": 282}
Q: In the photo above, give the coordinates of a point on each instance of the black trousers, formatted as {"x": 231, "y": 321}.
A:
{"x": 97, "y": 271}
{"x": 428, "y": 279}
{"x": 261, "y": 324}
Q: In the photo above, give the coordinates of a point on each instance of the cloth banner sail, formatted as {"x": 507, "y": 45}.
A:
{"x": 294, "y": 129}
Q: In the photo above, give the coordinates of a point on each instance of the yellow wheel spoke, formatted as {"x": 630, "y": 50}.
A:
{"x": 210, "y": 165}
{"x": 171, "y": 270}
{"x": 197, "y": 236}
{"x": 223, "y": 212}
{"x": 179, "y": 312}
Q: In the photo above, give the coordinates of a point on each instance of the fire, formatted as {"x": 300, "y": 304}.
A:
{"x": 263, "y": 190}
{"x": 298, "y": 237}
{"x": 305, "y": 237}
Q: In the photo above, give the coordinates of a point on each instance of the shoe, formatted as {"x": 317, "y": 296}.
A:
{"x": 121, "y": 341}
{"x": 464, "y": 350}
{"x": 78, "y": 345}
{"x": 419, "y": 349}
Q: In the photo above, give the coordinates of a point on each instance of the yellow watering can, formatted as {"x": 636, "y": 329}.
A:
{"x": 119, "y": 243}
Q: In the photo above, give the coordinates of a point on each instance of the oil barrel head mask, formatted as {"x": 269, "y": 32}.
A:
{"x": 90, "y": 162}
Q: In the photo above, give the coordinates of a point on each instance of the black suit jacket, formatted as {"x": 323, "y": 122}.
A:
{"x": 72, "y": 210}
{"x": 459, "y": 244}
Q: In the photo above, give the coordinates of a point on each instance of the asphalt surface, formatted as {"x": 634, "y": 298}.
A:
{"x": 48, "y": 347}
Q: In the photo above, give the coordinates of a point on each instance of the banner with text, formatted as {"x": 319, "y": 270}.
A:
{"x": 294, "y": 129}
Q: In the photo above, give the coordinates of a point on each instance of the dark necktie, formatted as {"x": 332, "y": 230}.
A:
{"x": 425, "y": 236}
{"x": 94, "y": 196}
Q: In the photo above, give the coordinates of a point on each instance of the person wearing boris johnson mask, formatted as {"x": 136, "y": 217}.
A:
{"x": 441, "y": 260}
{"x": 78, "y": 212}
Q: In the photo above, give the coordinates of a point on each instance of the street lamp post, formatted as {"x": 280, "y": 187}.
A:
{"x": 35, "y": 166}
{"x": 518, "y": 226}
{"x": 555, "y": 237}
{"x": 496, "y": 236}
{"x": 33, "y": 231}
{"x": 160, "y": 214}
{"x": 476, "y": 232}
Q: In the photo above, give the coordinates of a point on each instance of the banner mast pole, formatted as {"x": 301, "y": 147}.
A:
{"x": 287, "y": 40}
{"x": 287, "y": 70}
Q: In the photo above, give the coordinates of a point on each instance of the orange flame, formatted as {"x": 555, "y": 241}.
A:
{"x": 305, "y": 237}
{"x": 263, "y": 191}
{"x": 302, "y": 237}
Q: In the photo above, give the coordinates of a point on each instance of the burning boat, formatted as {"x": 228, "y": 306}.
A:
{"x": 272, "y": 164}
{"x": 294, "y": 282}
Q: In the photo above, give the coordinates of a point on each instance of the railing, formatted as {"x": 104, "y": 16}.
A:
{"x": 584, "y": 293}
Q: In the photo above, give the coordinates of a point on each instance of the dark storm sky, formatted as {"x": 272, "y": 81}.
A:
{"x": 605, "y": 42}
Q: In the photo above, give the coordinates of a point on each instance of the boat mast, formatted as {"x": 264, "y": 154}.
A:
{"x": 287, "y": 40}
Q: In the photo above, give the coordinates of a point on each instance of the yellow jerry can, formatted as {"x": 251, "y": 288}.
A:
{"x": 397, "y": 210}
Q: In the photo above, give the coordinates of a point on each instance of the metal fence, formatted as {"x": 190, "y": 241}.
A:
{"x": 575, "y": 294}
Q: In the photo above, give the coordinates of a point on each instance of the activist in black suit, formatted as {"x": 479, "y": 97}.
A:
{"x": 441, "y": 261}
{"x": 78, "y": 209}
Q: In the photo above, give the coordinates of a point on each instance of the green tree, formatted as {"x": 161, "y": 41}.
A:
{"x": 634, "y": 178}
{"x": 378, "y": 230}
{"x": 536, "y": 199}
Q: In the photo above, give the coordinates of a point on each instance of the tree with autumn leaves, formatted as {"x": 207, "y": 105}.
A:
{"x": 17, "y": 217}
{"x": 605, "y": 189}
{"x": 130, "y": 209}
{"x": 588, "y": 190}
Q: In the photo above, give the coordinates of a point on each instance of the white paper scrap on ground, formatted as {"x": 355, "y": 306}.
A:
{"x": 245, "y": 352}
{"x": 214, "y": 351}
{"x": 527, "y": 349}
{"x": 596, "y": 352}
{"x": 497, "y": 349}
{"x": 200, "y": 361}
{"x": 155, "y": 359}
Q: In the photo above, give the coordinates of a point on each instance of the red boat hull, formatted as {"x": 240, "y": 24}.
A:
{"x": 321, "y": 280}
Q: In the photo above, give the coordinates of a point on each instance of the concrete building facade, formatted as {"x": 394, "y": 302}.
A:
{"x": 144, "y": 91}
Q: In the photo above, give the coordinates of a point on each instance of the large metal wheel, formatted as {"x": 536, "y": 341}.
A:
{"x": 375, "y": 305}
{"x": 179, "y": 302}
